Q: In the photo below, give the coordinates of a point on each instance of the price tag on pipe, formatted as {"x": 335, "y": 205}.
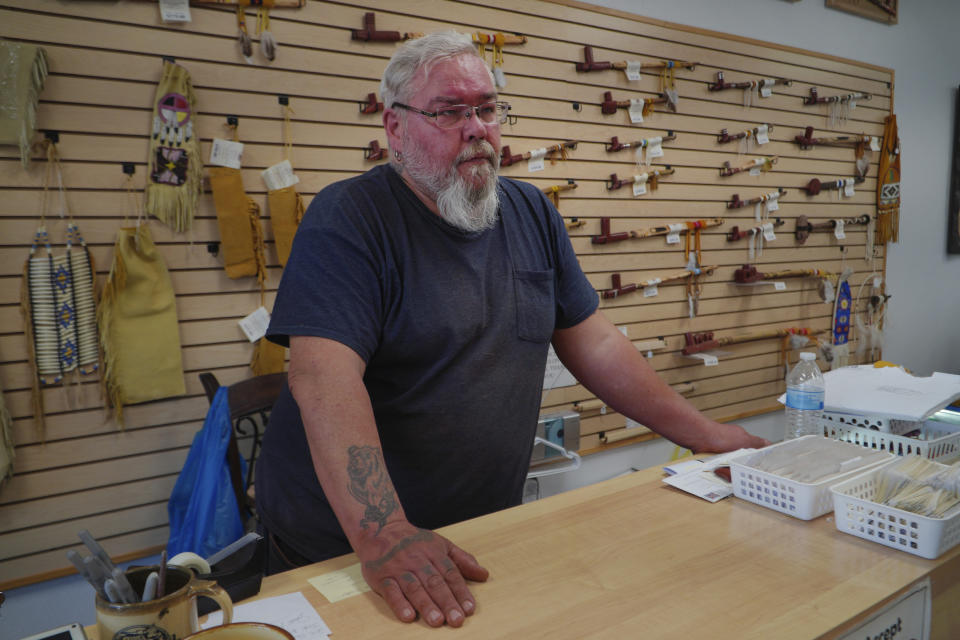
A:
{"x": 674, "y": 236}
{"x": 636, "y": 110}
{"x": 762, "y": 136}
{"x": 838, "y": 230}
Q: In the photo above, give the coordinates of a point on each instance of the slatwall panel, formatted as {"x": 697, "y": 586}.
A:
{"x": 105, "y": 62}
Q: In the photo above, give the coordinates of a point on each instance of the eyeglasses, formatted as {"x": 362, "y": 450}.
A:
{"x": 456, "y": 115}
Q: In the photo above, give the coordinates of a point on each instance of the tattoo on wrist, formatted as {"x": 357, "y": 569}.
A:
{"x": 422, "y": 535}
{"x": 370, "y": 485}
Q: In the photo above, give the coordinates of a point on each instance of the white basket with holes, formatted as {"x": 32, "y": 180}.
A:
{"x": 802, "y": 500}
{"x": 935, "y": 440}
{"x": 856, "y": 514}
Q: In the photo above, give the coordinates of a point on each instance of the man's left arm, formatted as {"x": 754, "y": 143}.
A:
{"x": 608, "y": 364}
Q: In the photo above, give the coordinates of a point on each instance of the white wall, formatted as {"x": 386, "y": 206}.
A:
{"x": 923, "y": 317}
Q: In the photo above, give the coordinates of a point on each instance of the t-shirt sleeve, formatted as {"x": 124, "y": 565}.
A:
{"x": 332, "y": 285}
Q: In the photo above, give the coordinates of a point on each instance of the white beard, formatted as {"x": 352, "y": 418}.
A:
{"x": 460, "y": 204}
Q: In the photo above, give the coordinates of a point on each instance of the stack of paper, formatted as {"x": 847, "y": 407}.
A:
{"x": 291, "y": 612}
{"x": 888, "y": 392}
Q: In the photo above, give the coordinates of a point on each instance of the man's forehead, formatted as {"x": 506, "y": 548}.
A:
{"x": 451, "y": 80}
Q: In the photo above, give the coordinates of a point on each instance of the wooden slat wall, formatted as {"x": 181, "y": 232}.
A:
{"x": 105, "y": 62}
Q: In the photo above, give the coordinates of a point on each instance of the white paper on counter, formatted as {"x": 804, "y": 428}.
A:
{"x": 890, "y": 392}
{"x": 291, "y": 611}
{"x": 697, "y": 476}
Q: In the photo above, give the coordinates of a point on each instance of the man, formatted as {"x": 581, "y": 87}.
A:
{"x": 419, "y": 303}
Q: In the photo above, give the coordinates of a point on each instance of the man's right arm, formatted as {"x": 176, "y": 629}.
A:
{"x": 414, "y": 570}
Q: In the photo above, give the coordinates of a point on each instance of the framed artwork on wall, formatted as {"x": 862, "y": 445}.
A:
{"x": 879, "y": 10}
{"x": 953, "y": 214}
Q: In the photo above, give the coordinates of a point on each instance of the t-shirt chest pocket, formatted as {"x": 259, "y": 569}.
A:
{"x": 536, "y": 305}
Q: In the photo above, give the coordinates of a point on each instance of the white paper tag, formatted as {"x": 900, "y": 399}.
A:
{"x": 877, "y": 281}
{"x": 768, "y": 233}
{"x": 175, "y": 10}
{"x": 640, "y": 184}
{"x": 633, "y": 69}
{"x": 779, "y": 285}
{"x": 226, "y": 153}
{"x": 536, "y": 160}
{"x": 838, "y": 230}
{"x": 773, "y": 203}
{"x": 852, "y": 104}
{"x": 763, "y": 136}
{"x": 674, "y": 236}
{"x": 709, "y": 360}
{"x": 654, "y": 148}
{"x": 279, "y": 176}
{"x": 766, "y": 87}
{"x": 755, "y": 171}
{"x": 255, "y": 325}
{"x": 636, "y": 110}
{"x": 651, "y": 289}
{"x": 848, "y": 187}
{"x": 874, "y": 143}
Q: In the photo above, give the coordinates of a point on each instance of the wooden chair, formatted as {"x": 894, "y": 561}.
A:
{"x": 250, "y": 402}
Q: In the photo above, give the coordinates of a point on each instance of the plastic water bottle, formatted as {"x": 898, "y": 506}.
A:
{"x": 805, "y": 392}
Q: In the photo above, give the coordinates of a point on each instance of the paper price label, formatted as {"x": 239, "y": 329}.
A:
{"x": 650, "y": 291}
{"x": 874, "y": 143}
{"x": 279, "y": 176}
{"x": 636, "y": 111}
{"x": 768, "y": 233}
{"x": 838, "y": 230}
{"x": 633, "y": 70}
{"x": 255, "y": 325}
{"x": 226, "y": 153}
{"x": 755, "y": 171}
{"x": 766, "y": 88}
{"x": 535, "y": 164}
{"x": 763, "y": 136}
{"x": 175, "y": 10}
{"x": 639, "y": 188}
{"x": 772, "y": 205}
{"x": 674, "y": 236}
{"x": 780, "y": 286}
{"x": 655, "y": 150}
{"x": 709, "y": 360}
{"x": 852, "y": 104}
{"x": 848, "y": 188}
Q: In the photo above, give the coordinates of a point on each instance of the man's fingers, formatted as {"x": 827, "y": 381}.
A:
{"x": 418, "y": 596}
{"x": 390, "y": 591}
{"x": 458, "y": 586}
{"x": 467, "y": 564}
{"x": 441, "y": 591}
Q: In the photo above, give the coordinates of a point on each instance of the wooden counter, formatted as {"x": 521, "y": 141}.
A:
{"x": 634, "y": 558}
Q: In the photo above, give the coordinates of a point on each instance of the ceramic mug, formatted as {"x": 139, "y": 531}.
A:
{"x": 243, "y": 631}
{"x": 172, "y": 617}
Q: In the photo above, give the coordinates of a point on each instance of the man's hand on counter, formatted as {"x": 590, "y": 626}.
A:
{"x": 418, "y": 571}
{"x": 725, "y": 437}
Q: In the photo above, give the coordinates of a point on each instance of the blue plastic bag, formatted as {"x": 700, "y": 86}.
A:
{"x": 203, "y": 512}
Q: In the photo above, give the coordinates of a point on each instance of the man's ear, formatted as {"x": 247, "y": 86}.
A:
{"x": 393, "y": 126}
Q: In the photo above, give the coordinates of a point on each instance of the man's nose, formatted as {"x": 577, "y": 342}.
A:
{"x": 473, "y": 128}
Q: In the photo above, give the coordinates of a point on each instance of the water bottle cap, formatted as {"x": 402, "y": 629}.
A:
{"x": 806, "y": 355}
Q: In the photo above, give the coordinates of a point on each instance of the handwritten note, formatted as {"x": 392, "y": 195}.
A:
{"x": 338, "y": 585}
{"x": 291, "y": 612}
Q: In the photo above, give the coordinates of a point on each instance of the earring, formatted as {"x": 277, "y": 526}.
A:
{"x": 398, "y": 155}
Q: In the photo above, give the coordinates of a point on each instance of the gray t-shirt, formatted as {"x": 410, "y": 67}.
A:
{"x": 454, "y": 328}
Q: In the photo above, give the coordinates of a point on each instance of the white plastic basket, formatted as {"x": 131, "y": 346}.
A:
{"x": 938, "y": 441}
{"x": 856, "y": 514}
{"x": 805, "y": 501}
